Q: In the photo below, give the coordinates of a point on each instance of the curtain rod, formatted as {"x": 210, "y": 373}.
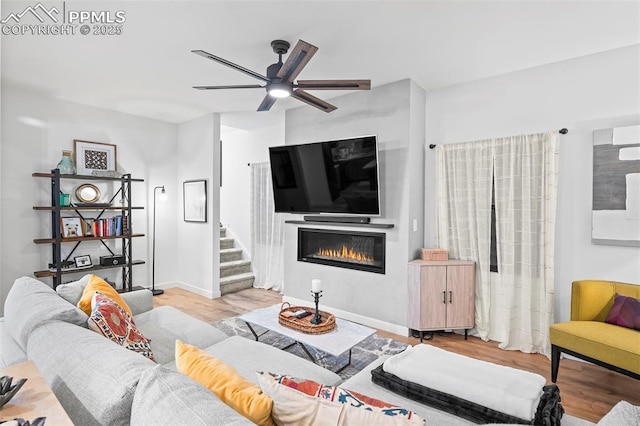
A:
{"x": 562, "y": 131}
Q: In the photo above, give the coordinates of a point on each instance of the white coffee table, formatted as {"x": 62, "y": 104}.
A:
{"x": 336, "y": 342}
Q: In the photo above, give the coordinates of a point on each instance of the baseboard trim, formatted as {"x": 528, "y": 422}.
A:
{"x": 191, "y": 288}
{"x": 350, "y": 316}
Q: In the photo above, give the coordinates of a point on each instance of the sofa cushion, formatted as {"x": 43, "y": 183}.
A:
{"x": 93, "y": 378}
{"x": 608, "y": 343}
{"x": 111, "y": 321}
{"x": 31, "y": 302}
{"x": 243, "y": 396}
{"x": 138, "y": 300}
{"x": 72, "y": 291}
{"x": 166, "y": 397}
{"x": 625, "y": 312}
{"x": 98, "y": 284}
{"x": 166, "y": 324}
{"x": 307, "y": 404}
{"x": 248, "y": 356}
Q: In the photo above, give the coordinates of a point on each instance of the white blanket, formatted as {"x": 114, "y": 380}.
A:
{"x": 504, "y": 389}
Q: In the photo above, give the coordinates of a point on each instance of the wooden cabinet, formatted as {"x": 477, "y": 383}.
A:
{"x": 441, "y": 295}
{"x": 89, "y": 211}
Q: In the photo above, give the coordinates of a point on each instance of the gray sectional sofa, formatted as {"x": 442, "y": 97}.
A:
{"x": 100, "y": 383}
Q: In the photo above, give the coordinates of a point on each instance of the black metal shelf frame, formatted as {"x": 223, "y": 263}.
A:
{"x": 56, "y": 244}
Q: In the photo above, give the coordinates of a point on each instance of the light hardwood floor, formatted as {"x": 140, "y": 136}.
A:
{"x": 587, "y": 391}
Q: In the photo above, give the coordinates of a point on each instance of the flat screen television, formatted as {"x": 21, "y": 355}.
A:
{"x": 337, "y": 176}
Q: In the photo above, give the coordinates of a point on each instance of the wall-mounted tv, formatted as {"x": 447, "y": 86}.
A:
{"x": 337, "y": 176}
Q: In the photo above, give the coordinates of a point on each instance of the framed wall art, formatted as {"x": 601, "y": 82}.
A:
{"x": 195, "y": 200}
{"x": 616, "y": 187}
{"x": 93, "y": 157}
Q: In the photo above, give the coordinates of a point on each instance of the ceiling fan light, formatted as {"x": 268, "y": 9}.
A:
{"x": 279, "y": 90}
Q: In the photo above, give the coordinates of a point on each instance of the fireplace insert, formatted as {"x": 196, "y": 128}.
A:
{"x": 364, "y": 251}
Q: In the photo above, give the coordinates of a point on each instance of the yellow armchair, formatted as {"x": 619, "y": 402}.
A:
{"x": 588, "y": 337}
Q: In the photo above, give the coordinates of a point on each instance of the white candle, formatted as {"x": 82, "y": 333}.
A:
{"x": 316, "y": 286}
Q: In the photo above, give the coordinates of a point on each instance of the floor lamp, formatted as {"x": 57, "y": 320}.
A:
{"x": 155, "y": 291}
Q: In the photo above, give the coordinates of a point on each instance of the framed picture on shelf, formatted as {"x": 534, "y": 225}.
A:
{"x": 83, "y": 261}
{"x": 94, "y": 156}
{"x": 195, "y": 200}
{"x": 88, "y": 227}
{"x": 71, "y": 227}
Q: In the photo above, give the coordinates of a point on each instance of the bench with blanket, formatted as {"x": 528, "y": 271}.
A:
{"x": 476, "y": 390}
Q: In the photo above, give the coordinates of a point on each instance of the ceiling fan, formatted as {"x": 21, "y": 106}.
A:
{"x": 280, "y": 77}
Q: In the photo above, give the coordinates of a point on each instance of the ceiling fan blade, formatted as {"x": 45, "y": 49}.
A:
{"x": 237, "y": 86}
{"x": 230, "y": 64}
{"x": 267, "y": 103}
{"x": 334, "y": 84}
{"x": 298, "y": 58}
{"x": 308, "y": 98}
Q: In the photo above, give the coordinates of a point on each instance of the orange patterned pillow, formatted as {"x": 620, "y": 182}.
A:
{"x": 110, "y": 320}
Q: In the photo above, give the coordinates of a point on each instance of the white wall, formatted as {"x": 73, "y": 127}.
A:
{"x": 198, "y": 250}
{"x": 246, "y": 138}
{"x": 395, "y": 113}
{"x": 582, "y": 94}
{"x": 35, "y": 129}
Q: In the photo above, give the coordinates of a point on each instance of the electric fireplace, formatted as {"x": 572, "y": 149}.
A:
{"x": 363, "y": 251}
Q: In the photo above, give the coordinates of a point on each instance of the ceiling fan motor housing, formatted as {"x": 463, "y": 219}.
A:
{"x": 280, "y": 46}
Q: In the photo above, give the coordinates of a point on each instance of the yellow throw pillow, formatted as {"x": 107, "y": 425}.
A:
{"x": 98, "y": 284}
{"x": 238, "y": 393}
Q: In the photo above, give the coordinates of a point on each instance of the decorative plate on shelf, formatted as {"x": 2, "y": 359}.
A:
{"x": 87, "y": 193}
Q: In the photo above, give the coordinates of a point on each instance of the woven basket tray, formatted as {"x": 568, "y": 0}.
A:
{"x": 304, "y": 325}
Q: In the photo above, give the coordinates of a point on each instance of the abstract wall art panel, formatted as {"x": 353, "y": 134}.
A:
{"x": 616, "y": 186}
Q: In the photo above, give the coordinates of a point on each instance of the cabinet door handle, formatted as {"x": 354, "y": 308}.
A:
{"x": 451, "y": 297}
{"x": 444, "y": 297}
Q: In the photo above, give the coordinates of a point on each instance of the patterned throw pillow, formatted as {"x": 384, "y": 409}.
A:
{"x": 113, "y": 322}
{"x": 358, "y": 408}
{"x": 625, "y": 312}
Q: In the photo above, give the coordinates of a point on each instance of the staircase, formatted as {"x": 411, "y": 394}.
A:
{"x": 235, "y": 273}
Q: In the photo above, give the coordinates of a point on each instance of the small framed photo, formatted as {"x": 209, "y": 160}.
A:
{"x": 88, "y": 227}
{"x": 71, "y": 227}
{"x": 195, "y": 200}
{"x": 83, "y": 261}
{"x": 94, "y": 156}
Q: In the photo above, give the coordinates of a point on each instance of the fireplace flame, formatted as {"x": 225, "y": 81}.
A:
{"x": 345, "y": 254}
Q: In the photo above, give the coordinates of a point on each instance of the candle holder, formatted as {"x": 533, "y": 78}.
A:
{"x": 316, "y": 318}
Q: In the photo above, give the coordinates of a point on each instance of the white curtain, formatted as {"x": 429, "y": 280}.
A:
{"x": 267, "y": 243}
{"x": 515, "y": 305}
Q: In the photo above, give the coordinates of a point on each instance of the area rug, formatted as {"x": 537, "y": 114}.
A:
{"x": 362, "y": 354}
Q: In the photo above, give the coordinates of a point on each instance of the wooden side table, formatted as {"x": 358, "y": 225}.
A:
{"x": 34, "y": 399}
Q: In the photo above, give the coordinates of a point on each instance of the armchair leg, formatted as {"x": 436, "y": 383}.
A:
{"x": 555, "y": 362}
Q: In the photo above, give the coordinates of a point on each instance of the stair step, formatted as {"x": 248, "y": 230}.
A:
{"x": 236, "y": 283}
{"x": 230, "y": 255}
{"x": 223, "y": 232}
{"x": 235, "y": 267}
{"x": 226, "y": 242}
